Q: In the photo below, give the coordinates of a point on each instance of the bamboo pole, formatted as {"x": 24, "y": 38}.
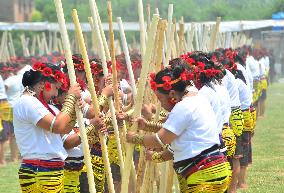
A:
{"x": 72, "y": 77}
{"x": 196, "y": 35}
{"x": 205, "y": 37}
{"x": 44, "y": 42}
{"x": 60, "y": 45}
{"x": 105, "y": 71}
{"x": 127, "y": 57}
{"x": 140, "y": 94}
{"x": 182, "y": 44}
{"x": 170, "y": 174}
{"x": 161, "y": 38}
{"x": 55, "y": 44}
{"x": 94, "y": 10}
{"x": 175, "y": 40}
{"x": 33, "y": 47}
{"x": 11, "y": 50}
{"x": 147, "y": 185}
{"x": 39, "y": 43}
{"x": 50, "y": 41}
{"x": 115, "y": 84}
{"x": 12, "y": 45}
{"x": 148, "y": 11}
{"x": 2, "y": 48}
{"x": 169, "y": 34}
{"x": 190, "y": 38}
{"x": 24, "y": 45}
{"x": 214, "y": 34}
{"x": 142, "y": 28}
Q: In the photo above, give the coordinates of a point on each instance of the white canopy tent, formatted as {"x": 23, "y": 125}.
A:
{"x": 228, "y": 26}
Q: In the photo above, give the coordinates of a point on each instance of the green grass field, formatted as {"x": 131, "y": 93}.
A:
{"x": 266, "y": 175}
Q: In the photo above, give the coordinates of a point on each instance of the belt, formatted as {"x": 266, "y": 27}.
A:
{"x": 213, "y": 149}
{"x": 44, "y": 163}
{"x": 202, "y": 161}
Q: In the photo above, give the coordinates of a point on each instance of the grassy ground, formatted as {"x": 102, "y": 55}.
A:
{"x": 266, "y": 175}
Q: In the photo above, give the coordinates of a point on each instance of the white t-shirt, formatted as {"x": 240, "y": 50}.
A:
{"x": 215, "y": 103}
{"x": 75, "y": 151}
{"x": 253, "y": 65}
{"x": 262, "y": 68}
{"x": 245, "y": 94}
{"x": 14, "y": 88}
{"x": 34, "y": 142}
{"x": 194, "y": 123}
{"x": 229, "y": 82}
{"x": 2, "y": 89}
{"x": 223, "y": 94}
{"x": 250, "y": 78}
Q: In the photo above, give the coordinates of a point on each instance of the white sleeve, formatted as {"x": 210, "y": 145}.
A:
{"x": 8, "y": 82}
{"x": 34, "y": 110}
{"x": 178, "y": 120}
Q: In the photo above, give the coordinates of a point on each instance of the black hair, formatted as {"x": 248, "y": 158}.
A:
{"x": 76, "y": 58}
{"x": 100, "y": 66}
{"x": 31, "y": 77}
{"x": 176, "y": 68}
{"x": 239, "y": 74}
{"x": 209, "y": 64}
{"x": 239, "y": 59}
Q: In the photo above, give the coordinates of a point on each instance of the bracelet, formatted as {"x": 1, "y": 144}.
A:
{"x": 102, "y": 100}
{"x": 86, "y": 109}
{"x": 138, "y": 139}
{"x": 69, "y": 105}
{"x": 52, "y": 124}
{"x": 160, "y": 141}
{"x": 163, "y": 114}
{"x": 157, "y": 157}
{"x": 153, "y": 126}
{"x": 91, "y": 134}
{"x": 108, "y": 121}
{"x": 170, "y": 149}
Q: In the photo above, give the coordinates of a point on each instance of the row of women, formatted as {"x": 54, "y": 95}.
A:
{"x": 205, "y": 127}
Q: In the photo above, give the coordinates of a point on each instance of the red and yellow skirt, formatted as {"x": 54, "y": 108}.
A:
{"x": 41, "y": 176}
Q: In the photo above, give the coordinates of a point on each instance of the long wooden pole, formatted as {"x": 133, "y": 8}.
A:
{"x": 115, "y": 83}
{"x": 140, "y": 94}
{"x": 142, "y": 28}
{"x": 161, "y": 38}
{"x": 72, "y": 77}
{"x": 94, "y": 10}
{"x": 169, "y": 34}
{"x": 127, "y": 57}
{"x": 12, "y": 45}
{"x": 105, "y": 71}
{"x": 2, "y": 47}
{"x": 214, "y": 34}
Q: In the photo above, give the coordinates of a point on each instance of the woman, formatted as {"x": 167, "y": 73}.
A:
{"x": 38, "y": 128}
{"x": 191, "y": 129}
{"x": 246, "y": 102}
